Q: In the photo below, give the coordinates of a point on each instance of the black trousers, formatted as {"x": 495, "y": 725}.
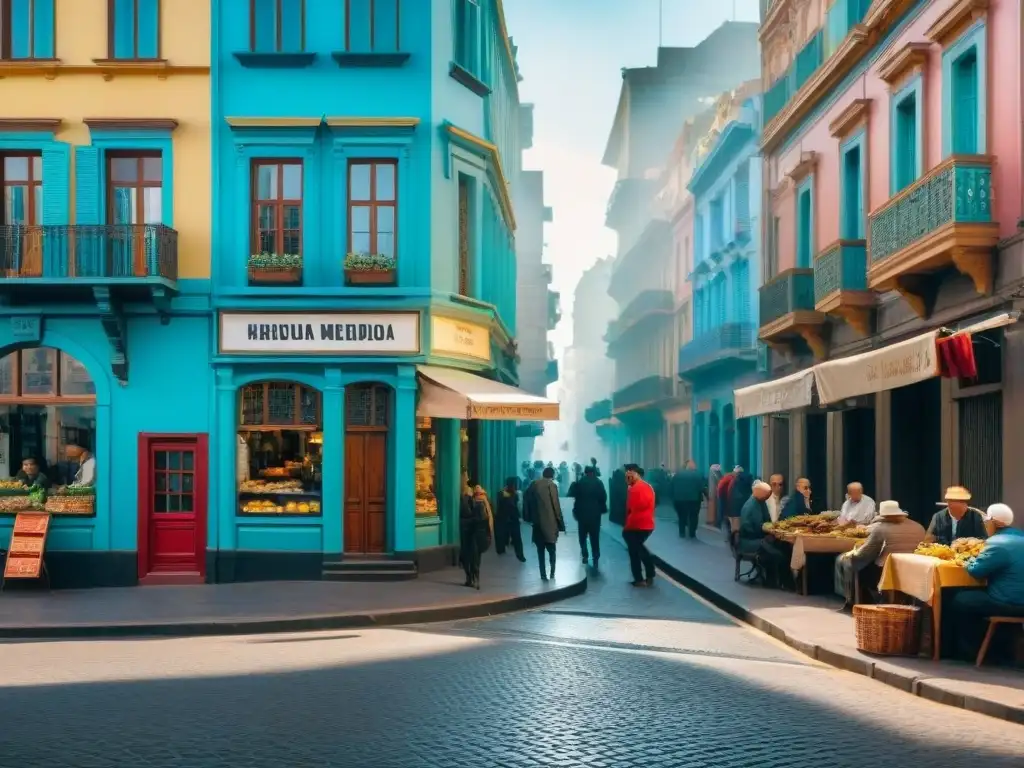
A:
{"x": 541, "y": 549}
{"x": 639, "y": 554}
{"x": 590, "y": 529}
{"x": 688, "y": 513}
{"x": 471, "y": 562}
{"x": 506, "y": 531}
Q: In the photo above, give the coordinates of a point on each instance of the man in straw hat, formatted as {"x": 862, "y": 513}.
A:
{"x": 956, "y": 520}
{"x": 1001, "y": 564}
{"x": 892, "y": 531}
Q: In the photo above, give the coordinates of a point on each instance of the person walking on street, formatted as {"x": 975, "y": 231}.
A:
{"x": 639, "y": 526}
{"x": 476, "y": 531}
{"x": 507, "y": 526}
{"x": 545, "y": 512}
{"x": 590, "y": 502}
{"x": 687, "y": 491}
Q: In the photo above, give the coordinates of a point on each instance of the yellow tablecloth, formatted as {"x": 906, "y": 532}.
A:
{"x": 810, "y": 544}
{"x": 919, "y": 575}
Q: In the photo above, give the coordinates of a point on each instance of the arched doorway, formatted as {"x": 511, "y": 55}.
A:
{"x": 729, "y": 425}
{"x": 715, "y": 440}
{"x": 367, "y": 422}
{"x": 47, "y": 413}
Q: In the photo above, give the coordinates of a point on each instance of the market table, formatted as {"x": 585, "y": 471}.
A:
{"x": 815, "y": 544}
{"x": 924, "y": 577}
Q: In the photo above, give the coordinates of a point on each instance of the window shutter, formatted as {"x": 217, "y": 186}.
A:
{"x": 42, "y": 29}
{"x": 148, "y": 43}
{"x": 859, "y": 230}
{"x": 87, "y": 185}
{"x": 56, "y": 170}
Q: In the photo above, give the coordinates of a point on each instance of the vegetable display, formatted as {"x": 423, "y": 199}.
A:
{"x": 961, "y": 552}
{"x": 817, "y": 525}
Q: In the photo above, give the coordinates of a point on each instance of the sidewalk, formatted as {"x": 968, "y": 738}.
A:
{"x": 814, "y": 626}
{"x": 280, "y": 606}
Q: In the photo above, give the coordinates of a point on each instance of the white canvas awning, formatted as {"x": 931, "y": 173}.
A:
{"x": 448, "y": 393}
{"x": 793, "y": 391}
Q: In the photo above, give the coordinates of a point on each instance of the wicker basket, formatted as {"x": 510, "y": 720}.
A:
{"x": 889, "y": 630}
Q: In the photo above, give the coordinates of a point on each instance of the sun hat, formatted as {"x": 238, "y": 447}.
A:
{"x": 999, "y": 513}
{"x": 957, "y": 493}
{"x": 890, "y": 509}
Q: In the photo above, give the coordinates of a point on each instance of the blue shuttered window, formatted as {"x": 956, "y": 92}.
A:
{"x": 89, "y": 251}
{"x": 852, "y": 193}
{"x": 804, "y": 226}
{"x": 26, "y": 29}
{"x": 134, "y": 29}
{"x": 372, "y": 26}
{"x": 965, "y": 103}
{"x": 467, "y": 36}
{"x": 278, "y": 26}
{"x": 55, "y": 208}
{"x": 906, "y": 142}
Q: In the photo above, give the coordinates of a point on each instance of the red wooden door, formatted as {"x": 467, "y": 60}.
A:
{"x": 172, "y": 508}
{"x": 365, "y": 491}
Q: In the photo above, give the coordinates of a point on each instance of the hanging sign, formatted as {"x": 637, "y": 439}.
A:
{"x": 28, "y": 542}
{"x": 459, "y": 338}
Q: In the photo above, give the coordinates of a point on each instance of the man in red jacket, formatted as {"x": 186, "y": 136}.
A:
{"x": 639, "y": 525}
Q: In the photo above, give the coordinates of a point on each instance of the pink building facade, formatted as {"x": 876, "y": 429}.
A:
{"x": 892, "y": 151}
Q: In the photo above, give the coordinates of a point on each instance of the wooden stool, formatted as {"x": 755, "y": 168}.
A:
{"x": 993, "y": 622}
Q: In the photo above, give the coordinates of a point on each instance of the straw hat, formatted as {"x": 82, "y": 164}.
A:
{"x": 957, "y": 493}
{"x": 890, "y": 509}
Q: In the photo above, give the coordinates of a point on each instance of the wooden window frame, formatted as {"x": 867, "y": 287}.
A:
{"x": 265, "y": 425}
{"x": 279, "y": 203}
{"x": 112, "y": 30}
{"x": 376, "y": 388}
{"x": 372, "y": 203}
{"x": 56, "y": 398}
{"x": 7, "y": 41}
{"x": 373, "y": 30}
{"x": 140, "y": 184}
{"x": 34, "y": 216}
{"x": 278, "y": 14}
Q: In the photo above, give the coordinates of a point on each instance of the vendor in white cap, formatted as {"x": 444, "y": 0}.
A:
{"x": 956, "y": 520}
{"x": 1001, "y": 564}
{"x": 892, "y": 531}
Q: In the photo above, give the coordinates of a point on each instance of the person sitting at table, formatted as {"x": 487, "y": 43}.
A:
{"x": 754, "y": 540}
{"x": 956, "y": 520}
{"x": 1001, "y": 563}
{"x": 893, "y": 531}
{"x": 858, "y": 508}
{"x": 799, "y": 502}
{"x": 30, "y": 475}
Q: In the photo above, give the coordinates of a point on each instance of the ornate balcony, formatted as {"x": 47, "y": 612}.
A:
{"x": 599, "y": 411}
{"x": 943, "y": 219}
{"x": 644, "y": 305}
{"x": 841, "y": 284}
{"x": 732, "y": 345}
{"x": 788, "y": 313}
{"x": 651, "y": 393}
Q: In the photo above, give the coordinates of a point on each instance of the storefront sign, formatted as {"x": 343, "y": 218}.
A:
{"x": 517, "y": 412}
{"x": 898, "y": 365}
{"x": 356, "y": 333}
{"x": 28, "y": 541}
{"x": 794, "y": 391}
{"x": 455, "y": 337}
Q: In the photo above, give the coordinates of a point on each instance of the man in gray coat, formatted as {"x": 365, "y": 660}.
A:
{"x": 545, "y": 512}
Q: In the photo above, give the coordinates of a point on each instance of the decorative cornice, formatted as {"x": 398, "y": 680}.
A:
{"x": 955, "y": 20}
{"x": 109, "y": 69}
{"x": 372, "y": 122}
{"x": 30, "y": 124}
{"x": 131, "y": 123}
{"x": 903, "y": 63}
{"x": 273, "y": 122}
{"x": 804, "y": 168}
{"x": 780, "y": 191}
{"x": 491, "y": 150}
{"x": 851, "y": 118}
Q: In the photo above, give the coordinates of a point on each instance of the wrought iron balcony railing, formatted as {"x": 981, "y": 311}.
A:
{"x": 599, "y": 411}
{"x": 840, "y": 267}
{"x": 642, "y": 305}
{"x": 651, "y": 389}
{"x": 957, "y": 191}
{"x": 727, "y": 341}
{"x": 89, "y": 252}
{"x": 789, "y": 291}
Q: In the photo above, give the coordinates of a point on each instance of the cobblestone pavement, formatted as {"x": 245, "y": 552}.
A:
{"x": 617, "y": 678}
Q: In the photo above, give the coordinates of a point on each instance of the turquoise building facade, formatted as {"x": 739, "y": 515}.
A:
{"x": 723, "y": 353}
{"x": 372, "y": 196}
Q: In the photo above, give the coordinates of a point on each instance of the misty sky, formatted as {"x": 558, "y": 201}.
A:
{"x": 571, "y": 53}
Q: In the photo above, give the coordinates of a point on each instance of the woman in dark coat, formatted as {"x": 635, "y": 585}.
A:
{"x": 475, "y": 531}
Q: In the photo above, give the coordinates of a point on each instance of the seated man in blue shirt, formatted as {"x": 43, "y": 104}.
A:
{"x": 1001, "y": 563}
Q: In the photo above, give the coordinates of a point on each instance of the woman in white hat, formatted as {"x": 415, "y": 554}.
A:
{"x": 1001, "y": 563}
{"x": 892, "y": 531}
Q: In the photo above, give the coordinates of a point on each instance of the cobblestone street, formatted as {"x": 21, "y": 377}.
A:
{"x": 617, "y": 678}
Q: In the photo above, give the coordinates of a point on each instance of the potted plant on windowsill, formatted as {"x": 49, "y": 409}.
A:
{"x": 275, "y": 268}
{"x": 369, "y": 269}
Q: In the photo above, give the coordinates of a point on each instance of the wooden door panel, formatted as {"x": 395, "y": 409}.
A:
{"x": 365, "y": 492}
{"x": 354, "y": 492}
{"x": 376, "y": 463}
{"x": 174, "y": 506}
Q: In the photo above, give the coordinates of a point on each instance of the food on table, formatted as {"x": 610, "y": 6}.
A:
{"x": 12, "y": 485}
{"x": 15, "y": 503}
{"x": 817, "y": 525}
{"x": 967, "y": 549}
{"x": 276, "y": 472}
{"x": 268, "y": 486}
{"x": 941, "y": 551}
{"x": 65, "y": 503}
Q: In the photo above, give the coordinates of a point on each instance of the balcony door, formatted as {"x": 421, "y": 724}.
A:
{"x": 134, "y": 200}
{"x": 21, "y": 176}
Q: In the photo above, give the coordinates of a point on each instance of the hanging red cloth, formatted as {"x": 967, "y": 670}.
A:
{"x": 956, "y": 357}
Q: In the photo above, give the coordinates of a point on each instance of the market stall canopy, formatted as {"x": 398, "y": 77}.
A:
{"x": 447, "y": 393}
{"x": 793, "y": 391}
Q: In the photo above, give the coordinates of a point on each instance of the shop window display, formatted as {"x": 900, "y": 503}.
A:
{"x": 280, "y": 449}
{"x": 47, "y": 433}
{"x": 426, "y": 468}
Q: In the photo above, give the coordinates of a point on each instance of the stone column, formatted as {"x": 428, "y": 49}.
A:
{"x": 797, "y": 435}
{"x": 949, "y": 429}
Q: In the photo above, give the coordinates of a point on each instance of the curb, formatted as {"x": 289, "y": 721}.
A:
{"x": 917, "y": 685}
{"x": 306, "y": 623}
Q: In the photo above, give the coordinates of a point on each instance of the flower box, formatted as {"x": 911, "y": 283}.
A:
{"x": 275, "y": 276}
{"x": 276, "y": 268}
{"x": 370, "y": 276}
